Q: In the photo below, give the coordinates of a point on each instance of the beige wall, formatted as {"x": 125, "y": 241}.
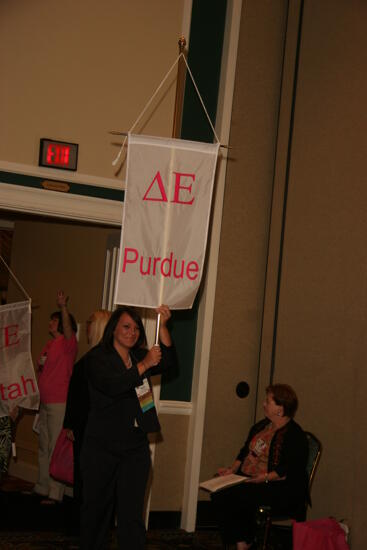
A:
{"x": 244, "y": 237}
{"x": 78, "y": 72}
{"x": 320, "y": 340}
{"x": 169, "y": 463}
{"x": 323, "y": 295}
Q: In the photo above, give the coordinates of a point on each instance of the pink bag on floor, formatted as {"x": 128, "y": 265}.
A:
{"x": 62, "y": 460}
{"x": 319, "y": 534}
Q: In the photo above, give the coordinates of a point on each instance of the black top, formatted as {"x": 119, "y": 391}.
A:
{"x": 77, "y": 404}
{"x": 114, "y": 408}
{"x": 288, "y": 456}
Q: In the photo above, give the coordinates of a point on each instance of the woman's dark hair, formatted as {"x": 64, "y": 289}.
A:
{"x": 108, "y": 335}
{"x": 57, "y": 315}
{"x": 284, "y": 396}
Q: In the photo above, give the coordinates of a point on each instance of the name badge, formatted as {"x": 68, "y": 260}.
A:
{"x": 260, "y": 447}
{"x": 145, "y": 396}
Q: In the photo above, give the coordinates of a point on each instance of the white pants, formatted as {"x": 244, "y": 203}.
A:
{"x": 51, "y": 418}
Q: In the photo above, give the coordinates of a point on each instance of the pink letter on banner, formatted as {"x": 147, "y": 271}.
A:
{"x": 169, "y": 187}
{"x": 178, "y": 186}
{"x": 163, "y": 196}
{"x": 18, "y": 384}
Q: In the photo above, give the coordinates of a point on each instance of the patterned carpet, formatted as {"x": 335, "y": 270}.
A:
{"x": 156, "y": 540}
{"x": 27, "y": 525}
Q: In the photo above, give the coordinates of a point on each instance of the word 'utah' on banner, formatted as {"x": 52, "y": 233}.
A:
{"x": 165, "y": 222}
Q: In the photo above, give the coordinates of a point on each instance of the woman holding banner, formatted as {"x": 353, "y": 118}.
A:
{"x": 115, "y": 459}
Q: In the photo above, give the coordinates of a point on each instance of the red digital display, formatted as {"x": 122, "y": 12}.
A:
{"x": 58, "y": 154}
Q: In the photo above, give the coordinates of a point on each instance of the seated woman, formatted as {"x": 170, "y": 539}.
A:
{"x": 274, "y": 457}
{"x": 55, "y": 366}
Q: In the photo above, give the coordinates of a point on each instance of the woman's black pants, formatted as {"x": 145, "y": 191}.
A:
{"x": 113, "y": 477}
{"x": 236, "y": 507}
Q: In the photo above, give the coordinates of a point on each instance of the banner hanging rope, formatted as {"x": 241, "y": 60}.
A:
{"x": 15, "y": 279}
{"x": 152, "y": 98}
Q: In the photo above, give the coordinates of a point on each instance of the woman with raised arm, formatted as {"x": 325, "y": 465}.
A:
{"x": 115, "y": 459}
{"x": 55, "y": 368}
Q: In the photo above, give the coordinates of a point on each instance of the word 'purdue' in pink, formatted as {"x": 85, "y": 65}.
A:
{"x": 167, "y": 267}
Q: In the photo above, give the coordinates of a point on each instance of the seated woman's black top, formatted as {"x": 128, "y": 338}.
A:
{"x": 288, "y": 454}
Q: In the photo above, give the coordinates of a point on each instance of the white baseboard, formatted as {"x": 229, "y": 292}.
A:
{"x": 175, "y": 407}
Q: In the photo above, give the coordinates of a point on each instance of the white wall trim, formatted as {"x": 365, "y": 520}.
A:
{"x": 60, "y": 175}
{"x": 61, "y": 205}
{"x": 206, "y": 308}
{"x": 174, "y": 407}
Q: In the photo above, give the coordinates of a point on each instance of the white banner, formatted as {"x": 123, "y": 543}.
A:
{"x": 165, "y": 222}
{"x": 18, "y": 384}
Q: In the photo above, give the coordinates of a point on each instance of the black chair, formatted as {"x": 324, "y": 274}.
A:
{"x": 267, "y": 519}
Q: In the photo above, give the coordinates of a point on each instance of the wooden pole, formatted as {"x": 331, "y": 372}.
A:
{"x": 157, "y": 330}
{"x": 177, "y": 119}
{"x": 180, "y": 89}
